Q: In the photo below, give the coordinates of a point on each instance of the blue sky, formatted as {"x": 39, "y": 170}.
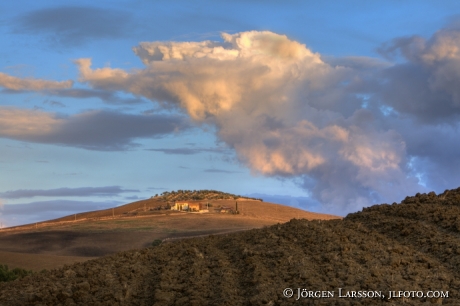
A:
{"x": 334, "y": 105}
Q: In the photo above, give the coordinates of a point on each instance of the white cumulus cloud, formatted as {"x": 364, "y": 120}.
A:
{"x": 336, "y": 124}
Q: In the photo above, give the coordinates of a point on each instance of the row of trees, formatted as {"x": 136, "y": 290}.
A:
{"x": 206, "y": 194}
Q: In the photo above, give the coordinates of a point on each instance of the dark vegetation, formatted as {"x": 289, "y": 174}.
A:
{"x": 156, "y": 242}
{"x": 7, "y": 275}
{"x": 183, "y": 195}
{"x": 414, "y": 246}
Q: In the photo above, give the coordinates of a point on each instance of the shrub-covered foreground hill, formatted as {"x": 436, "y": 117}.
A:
{"x": 412, "y": 246}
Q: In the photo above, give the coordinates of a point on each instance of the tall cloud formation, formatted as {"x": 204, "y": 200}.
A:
{"x": 341, "y": 126}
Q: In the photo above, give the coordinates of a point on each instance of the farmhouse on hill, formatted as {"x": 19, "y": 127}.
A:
{"x": 190, "y": 206}
{"x": 180, "y": 206}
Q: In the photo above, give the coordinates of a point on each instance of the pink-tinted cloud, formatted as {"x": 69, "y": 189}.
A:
{"x": 29, "y": 84}
{"x": 284, "y": 110}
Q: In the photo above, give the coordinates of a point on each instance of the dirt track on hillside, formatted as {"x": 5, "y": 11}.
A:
{"x": 414, "y": 246}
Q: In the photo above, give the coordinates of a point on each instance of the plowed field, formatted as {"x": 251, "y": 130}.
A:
{"x": 413, "y": 246}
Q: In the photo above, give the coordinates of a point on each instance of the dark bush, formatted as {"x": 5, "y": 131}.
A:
{"x": 156, "y": 242}
{"x": 7, "y": 275}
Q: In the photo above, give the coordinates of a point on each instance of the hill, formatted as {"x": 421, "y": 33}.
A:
{"x": 93, "y": 234}
{"x": 155, "y": 205}
{"x": 410, "y": 249}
